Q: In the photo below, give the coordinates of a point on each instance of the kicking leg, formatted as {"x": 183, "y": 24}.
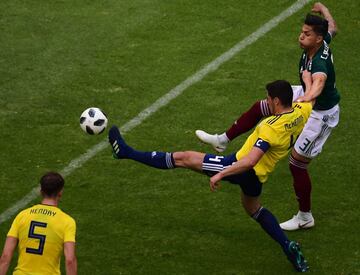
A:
{"x": 161, "y": 160}
{"x": 271, "y": 226}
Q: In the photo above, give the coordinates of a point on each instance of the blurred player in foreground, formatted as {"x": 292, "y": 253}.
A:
{"x": 249, "y": 167}
{"x": 41, "y": 233}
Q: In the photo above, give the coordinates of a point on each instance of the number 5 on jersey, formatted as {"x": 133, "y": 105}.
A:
{"x": 40, "y": 237}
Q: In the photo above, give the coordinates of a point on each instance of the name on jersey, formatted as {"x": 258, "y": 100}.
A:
{"x": 43, "y": 211}
{"x": 325, "y": 53}
{"x": 293, "y": 123}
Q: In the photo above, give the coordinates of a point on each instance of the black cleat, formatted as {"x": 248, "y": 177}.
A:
{"x": 296, "y": 257}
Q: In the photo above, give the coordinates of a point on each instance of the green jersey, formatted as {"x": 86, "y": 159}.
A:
{"x": 322, "y": 62}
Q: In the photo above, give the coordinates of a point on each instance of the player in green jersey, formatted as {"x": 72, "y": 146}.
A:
{"x": 42, "y": 232}
{"x": 316, "y": 60}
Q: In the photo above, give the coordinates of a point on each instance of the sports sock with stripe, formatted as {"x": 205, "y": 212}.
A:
{"x": 271, "y": 226}
{"x": 160, "y": 160}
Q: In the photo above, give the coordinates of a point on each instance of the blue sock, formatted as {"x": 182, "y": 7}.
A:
{"x": 271, "y": 226}
{"x": 160, "y": 160}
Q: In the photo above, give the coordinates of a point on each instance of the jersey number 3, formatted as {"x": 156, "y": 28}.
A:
{"x": 40, "y": 237}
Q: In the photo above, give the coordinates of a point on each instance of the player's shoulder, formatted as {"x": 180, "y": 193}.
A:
{"x": 306, "y": 106}
{"x": 22, "y": 216}
{"x": 323, "y": 55}
{"x": 301, "y": 105}
{"x": 271, "y": 120}
{"x": 66, "y": 217}
{"x": 64, "y": 214}
{"x": 25, "y": 211}
{"x": 268, "y": 127}
{"x": 328, "y": 38}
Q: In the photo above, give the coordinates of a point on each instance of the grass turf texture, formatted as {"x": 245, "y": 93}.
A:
{"x": 58, "y": 58}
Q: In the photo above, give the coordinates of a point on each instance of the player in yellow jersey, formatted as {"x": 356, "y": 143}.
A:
{"x": 42, "y": 232}
{"x": 249, "y": 167}
{"x": 317, "y": 32}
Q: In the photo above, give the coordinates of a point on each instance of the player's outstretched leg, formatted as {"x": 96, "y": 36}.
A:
{"x": 119, "y": 147}
{"x": 219, "y": 142}
{"x": 244, "y": 123}
{"x": 296, "y": 257}
{"x": 121, "y": 150}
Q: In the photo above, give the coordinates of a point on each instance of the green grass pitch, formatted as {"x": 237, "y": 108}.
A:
{"x": 58, "y": 58}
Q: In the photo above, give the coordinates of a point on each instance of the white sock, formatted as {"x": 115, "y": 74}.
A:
{"x": 223, "y": 138}
{"x": 305, "y": 215}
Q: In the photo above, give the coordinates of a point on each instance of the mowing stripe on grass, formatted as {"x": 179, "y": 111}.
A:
{"x": 163, "y": 101}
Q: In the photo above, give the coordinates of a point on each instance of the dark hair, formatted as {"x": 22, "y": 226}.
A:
{"x": 319, "y": 24}
{"x": 282, "y": 90}
{"x": 51, "y": 184}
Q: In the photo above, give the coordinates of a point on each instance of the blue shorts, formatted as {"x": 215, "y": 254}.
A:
{"x": 248, "y": 181}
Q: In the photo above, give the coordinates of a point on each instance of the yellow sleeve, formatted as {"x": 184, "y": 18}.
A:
{"x": 70, "y": 231}
{"x": 14, "y": 229}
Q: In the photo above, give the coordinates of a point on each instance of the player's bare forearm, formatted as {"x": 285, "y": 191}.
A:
{"x": 324, "y": 11}
{"x": 242, "y": 165}
{"x": 71, "y": 267}
{"x": 4, "y": 265}
{"x": 315, "y": 89}
{"x": 307, "y": 78}
{"x": 70, "y": 258}
{"x": 318, "y": 83}
{"x": 9, "y": 247}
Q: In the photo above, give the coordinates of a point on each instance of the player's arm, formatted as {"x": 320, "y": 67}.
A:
{"x": 243, "y": 164}
{"x": 70, "y": 258}
{"x": 7, "y": 254}
{"x": 324, "y": 11}
{"x": 314, "y": 84}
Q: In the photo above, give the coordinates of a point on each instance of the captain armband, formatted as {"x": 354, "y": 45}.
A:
{"x": 262, "y": 144}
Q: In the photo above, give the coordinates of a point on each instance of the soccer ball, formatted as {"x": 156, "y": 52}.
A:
{"x": 93, "y": 121}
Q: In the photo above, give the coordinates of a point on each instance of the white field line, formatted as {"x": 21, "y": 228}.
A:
{"x": 163, "y": 101}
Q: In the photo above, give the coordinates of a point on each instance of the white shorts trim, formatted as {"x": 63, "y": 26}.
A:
{"x": 297, "y": 91}
{"x": 316, "y": 131}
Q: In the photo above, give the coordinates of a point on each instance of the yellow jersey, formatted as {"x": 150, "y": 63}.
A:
{"x": 280, "y": 132}
{"x": 41, "y": 231}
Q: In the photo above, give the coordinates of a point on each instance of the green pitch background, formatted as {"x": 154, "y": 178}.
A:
{"x": 59, "y": 57}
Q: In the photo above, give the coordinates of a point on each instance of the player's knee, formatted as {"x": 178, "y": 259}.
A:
{"x": 250, "y": 205}
{"x": 251, "y": 209}
{"x": 182, "y": 159}
{"x": 298, "y": 161}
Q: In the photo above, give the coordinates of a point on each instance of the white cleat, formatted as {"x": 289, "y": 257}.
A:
{"x": 212, "y": 140}
{"x": 299, "y": 221}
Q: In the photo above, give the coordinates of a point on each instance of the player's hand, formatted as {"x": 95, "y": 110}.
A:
{"x": 318, "y": 7}
{"x": 215, "y": 181}
{"x": 304, "y": 98}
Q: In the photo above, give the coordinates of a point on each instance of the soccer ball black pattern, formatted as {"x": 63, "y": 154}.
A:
{"x": 93, "y": 121}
